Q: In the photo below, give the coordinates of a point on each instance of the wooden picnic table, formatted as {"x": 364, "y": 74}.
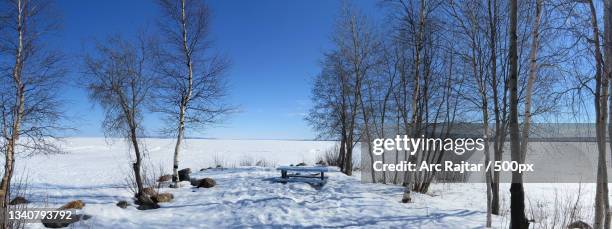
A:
{"x": 317, "y": 169}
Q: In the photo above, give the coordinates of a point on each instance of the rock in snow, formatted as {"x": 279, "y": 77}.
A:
{"x": 406, "y": 198}
{"x": 206, "y": 183}
{"x": 19, "y": 200}
{"x": 184, "y": 174}
{"x": 123, "y": 204}
{"x": 66, "y": 223}
{"x": 76, "y": 204}
{"x": 579, "y": 225}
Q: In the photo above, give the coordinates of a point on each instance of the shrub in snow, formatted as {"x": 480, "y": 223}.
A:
{"x": 330, "y": 157}
{"x": 123, "y": 204}
{"x": 301, "y": 164}
{"x": 579, "y": 225}
{"x": 164, "y": 178}
{"x": 162, "y": 197}
{"x": 149, "y": 191}
{"x": 184, "y": 174}
{"x": 75, "y": 204}
{"x": 265, "y": 163}
{"x": 246, "y": 162}
{"x": 19, "y": 200}
{"x": 206, "y": 183}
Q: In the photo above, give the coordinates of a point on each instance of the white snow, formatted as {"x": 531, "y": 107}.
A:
{"x": 94, "y": 172}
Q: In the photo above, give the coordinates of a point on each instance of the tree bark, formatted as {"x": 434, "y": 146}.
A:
{"x": 533, "y": 74}
{"x": 488, "y": 177}
{"x": 410, "y": 177}
{"x": 184, "y": 97}
{"x": 492, "y": 11}
{"x": 608, "y": 76}
{"x": 140, "y": 195}
{"x": 18, "y": 108}
{"x": 601, "y": 101}
{"x": 348, "y": 160}
{"x": 517, "y": 194}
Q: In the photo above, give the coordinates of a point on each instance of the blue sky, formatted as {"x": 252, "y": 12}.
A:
{"x": 274, "y": 45}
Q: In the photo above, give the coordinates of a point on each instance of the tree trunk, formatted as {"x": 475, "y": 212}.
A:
{"x": 397, "y": 153}
{"x": 533, "y": 74}
{"x": 492, "y": 11}
{"x": 409, "y": 177}
{"x": 184, "y": 97}
{"x": 601, "y": 101}
{"x": 517, "y": 194}
{"x": 177, "y": 147}
{"x": 608, "y": 77}
{"x": 5, "y": 185}
{"x": 488, "y": 175}
{"x": 485, "y": 119}
{"x": 137, "y": 165}
{"x": 342, "y": 153}
{"x": 348, "y": 160}
{"x": 368, "y": 136}
{"x": 18, "y": 109}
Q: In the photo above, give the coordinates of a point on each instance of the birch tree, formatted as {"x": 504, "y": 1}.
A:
{"x": 31, "y": 77}
{"x": 601, "y": 218}
{"x": 119, "y": 78}
{"x": 191, "y": 87}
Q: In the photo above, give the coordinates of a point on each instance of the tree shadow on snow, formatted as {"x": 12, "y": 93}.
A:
{"x": 315, "y": 183}
{"x": 364, "y": 221}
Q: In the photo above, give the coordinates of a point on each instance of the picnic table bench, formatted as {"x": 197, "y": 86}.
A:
{"x": 305, "y": 169}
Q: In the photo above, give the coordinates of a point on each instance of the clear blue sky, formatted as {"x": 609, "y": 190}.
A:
{"x": 275, "y": 47}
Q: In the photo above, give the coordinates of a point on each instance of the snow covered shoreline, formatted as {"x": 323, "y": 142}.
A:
{"x": 94, "y": 172}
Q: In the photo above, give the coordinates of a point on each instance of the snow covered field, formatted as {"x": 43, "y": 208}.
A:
{"x": 94, "y": 172}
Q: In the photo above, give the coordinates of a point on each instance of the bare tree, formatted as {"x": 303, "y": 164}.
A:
{"x": 358, "y": 47}
{"x": 493, "y": 19}
{"x": 326, "y": 116}
{"x": 335, "y": 109}
{"x": 472, "y": 32}
{"x": 191, "y": 86}
{"x": 582, "y": 24}
{"x": 380, "y": 96}
{"x": 338, "y": 90}
{"x": 601, "y": 220}
{"x": 31, "y": 75}
{"x": 118, "y": 77}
